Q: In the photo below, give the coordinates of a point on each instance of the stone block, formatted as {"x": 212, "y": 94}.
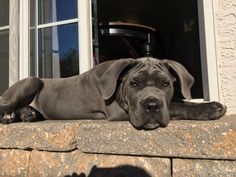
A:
{"x": 50, "y": 164}
{"x": 203, "y": 168}
{"x": 187, "y": 139}
{"x": 14, "y": 163}
{"x": 46, "y": 135}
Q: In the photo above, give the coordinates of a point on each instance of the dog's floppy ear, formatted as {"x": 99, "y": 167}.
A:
{"x": 109, "y": 78}
{"x": 185, "y": 79}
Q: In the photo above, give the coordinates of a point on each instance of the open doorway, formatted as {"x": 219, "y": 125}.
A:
{"x": 176, "y": 33}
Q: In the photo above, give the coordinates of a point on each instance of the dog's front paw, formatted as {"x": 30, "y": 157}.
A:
{"x": 8, "y": 118}
{"x": 27, "y": 114}
{"x": 215, "y": 110}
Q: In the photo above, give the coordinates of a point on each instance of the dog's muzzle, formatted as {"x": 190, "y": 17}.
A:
{"x": 151, "y": 114}
{"x": 154, "y": 108}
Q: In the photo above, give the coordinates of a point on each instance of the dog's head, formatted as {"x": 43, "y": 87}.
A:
{"x": 144, "y": 88}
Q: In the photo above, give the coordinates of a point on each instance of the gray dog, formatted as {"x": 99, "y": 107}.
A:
{"x": 138, "y": 90}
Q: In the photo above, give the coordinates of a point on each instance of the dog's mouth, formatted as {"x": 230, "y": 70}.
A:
{"x": 147, "y": 122}
{"x": 148, "y": 126}
{"x": 151, "y": 125}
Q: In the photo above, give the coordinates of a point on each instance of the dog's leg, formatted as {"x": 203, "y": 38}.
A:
{"x": 196, "y": 111}
{"x": 18, "y": 96}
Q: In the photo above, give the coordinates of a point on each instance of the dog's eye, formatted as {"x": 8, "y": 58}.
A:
{"x": 134, "y": 84}
{"x": 166, "y": 84}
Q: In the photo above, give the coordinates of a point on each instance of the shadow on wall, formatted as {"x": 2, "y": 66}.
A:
{"x": 119, "y": 171}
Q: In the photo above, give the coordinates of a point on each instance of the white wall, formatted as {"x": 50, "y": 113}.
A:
{"x": 225, "y": 23}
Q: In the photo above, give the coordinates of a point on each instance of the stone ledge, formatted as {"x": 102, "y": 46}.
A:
{"x": 185, "y": 139}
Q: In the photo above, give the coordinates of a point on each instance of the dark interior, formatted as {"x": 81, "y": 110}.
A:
{"x": 176, "y": 36}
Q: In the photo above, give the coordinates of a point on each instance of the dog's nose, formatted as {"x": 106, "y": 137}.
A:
{"x": 152, "y": 104}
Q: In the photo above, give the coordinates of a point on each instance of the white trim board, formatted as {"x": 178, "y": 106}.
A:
{"x": 208, "y": 50}
{"x": 24, "y": 39}
{"x": 85, "y": 33}
{"x": 13, "y": 42}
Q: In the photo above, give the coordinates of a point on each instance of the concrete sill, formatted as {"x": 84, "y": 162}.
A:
{"x": 181, "y": 139}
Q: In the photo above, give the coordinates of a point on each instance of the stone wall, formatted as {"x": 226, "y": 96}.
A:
{"x": 225, "y": 33}
{"x": 110, "y": 149}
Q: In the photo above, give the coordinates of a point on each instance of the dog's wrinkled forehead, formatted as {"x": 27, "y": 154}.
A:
{"x": 147, "y": 60}
{"x": 151, "y": 66}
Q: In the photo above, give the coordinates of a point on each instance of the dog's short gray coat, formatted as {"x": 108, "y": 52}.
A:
{"x": 138, "y": 90}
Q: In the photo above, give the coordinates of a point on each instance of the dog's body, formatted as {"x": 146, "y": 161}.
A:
{"x": 138, "y": 90}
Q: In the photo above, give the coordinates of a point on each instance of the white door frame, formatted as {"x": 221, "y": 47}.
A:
{"x": 85, "y": 35}
{"x": 208, "y": 50}
{"x": 24, "y": 64}
{"x": 13, "y": 41}
{"x": 207, "y": 43}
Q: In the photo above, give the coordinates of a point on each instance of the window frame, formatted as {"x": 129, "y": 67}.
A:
{"x": 38, "y": 26}
{"x": 84, "y": 27}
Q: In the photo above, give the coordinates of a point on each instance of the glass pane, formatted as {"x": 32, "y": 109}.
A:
{"x": 58, "y": 51}
{"x": 56, "y": 10}
{"x": 4, "y": 60}
{"x": 32, "y": 12}
{"x": 4, "y": 12}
